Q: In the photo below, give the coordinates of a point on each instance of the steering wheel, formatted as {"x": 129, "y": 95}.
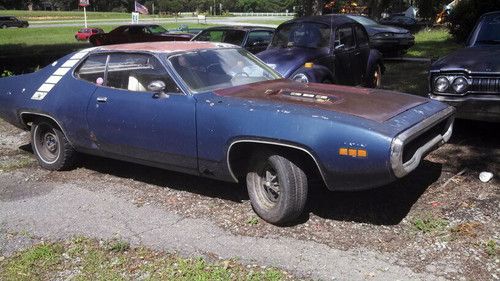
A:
{"x": 241, "y": 74}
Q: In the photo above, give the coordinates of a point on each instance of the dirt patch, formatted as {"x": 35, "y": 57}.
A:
{"x": 440, "y": 219}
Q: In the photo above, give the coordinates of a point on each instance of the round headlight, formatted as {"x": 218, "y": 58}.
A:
{"x": 441, "y": 84}
{"x": 460, "y": 85}
{"x": 300, "y": 77}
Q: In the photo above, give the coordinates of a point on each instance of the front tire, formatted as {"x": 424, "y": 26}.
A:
{"x": 277, "y": 187}
{"x": 51, "y": 148}
{"x": 375, "y": 79}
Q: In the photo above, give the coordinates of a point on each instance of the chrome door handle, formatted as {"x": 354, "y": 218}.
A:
{"x": 102, "y": 99}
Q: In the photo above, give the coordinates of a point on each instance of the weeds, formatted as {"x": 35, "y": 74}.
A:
{"x": 429, "y": 224}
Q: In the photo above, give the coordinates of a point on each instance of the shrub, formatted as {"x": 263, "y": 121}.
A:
{"x": 465, "y": 15}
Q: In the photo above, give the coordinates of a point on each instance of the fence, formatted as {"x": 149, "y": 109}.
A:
{"x": 194, "y": 14}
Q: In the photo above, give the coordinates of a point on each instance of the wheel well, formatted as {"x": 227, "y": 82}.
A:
{"x": 28, "y": 118}
{"x": 240, "y": 154}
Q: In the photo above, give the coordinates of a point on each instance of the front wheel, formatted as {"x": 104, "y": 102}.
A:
{"x": 375, "y": 79}
{"x": 51, "y": 148}
{"x": 277, "y": 187}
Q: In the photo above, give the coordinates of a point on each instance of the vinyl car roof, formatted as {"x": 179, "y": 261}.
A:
{"x": 166, "y": 47}
{"x": 331, "y": 20}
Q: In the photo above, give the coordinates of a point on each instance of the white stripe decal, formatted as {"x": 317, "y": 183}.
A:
{"x": 39, "y": 96}
{"x": 58, "y": 74}
{"x": 53, "y": 79}
{"x": 70, "y": 63}
{"x": 62, "y": 71}
{"x": 46, "y": 87}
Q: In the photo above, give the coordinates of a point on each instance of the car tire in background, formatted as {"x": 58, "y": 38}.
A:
{"x": 50, "y": 146}
{"x": 375, "y": 77}
{"x": 3, "y": 26}
{"x": 277, "y": 187}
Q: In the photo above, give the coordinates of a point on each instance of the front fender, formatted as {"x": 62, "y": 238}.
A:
{"x": 316, "y": 74}
{"x": 375, "y": 58}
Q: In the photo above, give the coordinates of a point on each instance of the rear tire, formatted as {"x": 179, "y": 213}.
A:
{"x": 51, "y": 148}
{"x": 277, "y": 187}
{"x": 3, "y": 26}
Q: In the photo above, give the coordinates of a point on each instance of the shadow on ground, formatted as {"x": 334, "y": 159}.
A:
{"x": 386, "y": 205}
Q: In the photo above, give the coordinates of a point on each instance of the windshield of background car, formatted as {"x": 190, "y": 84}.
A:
{"x": 489, "y": 31}
{"x": 234, "y": 37}
{"x": 302, "y": 34}
{"x": 363, "y": 20}
{"x": 156, "y": 29}
{"x": 208, "y": 70}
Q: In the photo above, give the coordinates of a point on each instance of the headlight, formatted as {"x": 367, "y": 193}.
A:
{"x": 460, "y": 85}
{"x": 300, "y": 77}
{"x": 384, "y": 35}
{"x": 441, "y": 84}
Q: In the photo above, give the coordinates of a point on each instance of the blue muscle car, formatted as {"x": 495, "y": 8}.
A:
{"x": 215, "y": 110}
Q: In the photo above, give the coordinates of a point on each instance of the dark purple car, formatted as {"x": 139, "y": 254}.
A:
{"x": 325, "y": 49}
{"x": 469, "y": 79}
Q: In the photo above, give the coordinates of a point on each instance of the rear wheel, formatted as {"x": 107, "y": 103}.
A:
{"x": 3, "y": 26}
{"x": 277, "y": 187}
{"x": 52, "y": 149}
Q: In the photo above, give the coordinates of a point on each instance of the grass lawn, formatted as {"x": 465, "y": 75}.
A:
{"x": 57, "y": 15}
{"x": 20, "y": 41}
{"x": 433, "y": 43}
{"x": 406, "y": 77}
{"x": 84, "y": 259}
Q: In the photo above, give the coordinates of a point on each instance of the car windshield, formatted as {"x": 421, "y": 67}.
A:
{"x": 489, "y": 31}
{"x": 363, "y": 20}
{"x": 156, "y": 29}
{"x": 230, "y": 36}
{"x": 302, "y": 34}
{"x": 208, "y": 70}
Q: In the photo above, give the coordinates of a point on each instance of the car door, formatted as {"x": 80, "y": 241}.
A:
{"x": 127, "y": 119}
{"x": 362, "y": 53}
{"x": 346, "y": 68}
{"x": 258, "y": 40}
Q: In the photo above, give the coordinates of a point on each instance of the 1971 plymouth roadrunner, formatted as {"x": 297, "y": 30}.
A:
{"x": 469, "y": 79}
{"x": 215, "y": 110}
{"x": 324, "y": 49}
{"x": 133, "y": 33}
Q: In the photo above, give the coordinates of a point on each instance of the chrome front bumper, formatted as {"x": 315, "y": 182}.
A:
{"x": 401, "y": 167}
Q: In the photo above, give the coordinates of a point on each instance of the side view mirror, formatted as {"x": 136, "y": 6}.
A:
{"x": 157, "y": 86}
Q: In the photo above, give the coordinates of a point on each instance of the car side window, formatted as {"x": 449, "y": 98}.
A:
{"x": 92, "y": 70}
{"x": 361, "y": 36}
{"x": 344, "y": 38}
{"x": 134, "y": 72}
{"x": 259, "y": 38}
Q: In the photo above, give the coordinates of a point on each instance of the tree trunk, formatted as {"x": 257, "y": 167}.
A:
{"x": 313, "y": 7}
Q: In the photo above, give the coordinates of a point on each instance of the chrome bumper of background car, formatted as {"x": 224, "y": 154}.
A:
{"x": 474, "y": 107}
{"x": 427, "y": 134}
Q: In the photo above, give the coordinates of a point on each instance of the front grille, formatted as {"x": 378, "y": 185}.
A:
{"x": 485, "y": 85}
{"x": 413, "y": 145}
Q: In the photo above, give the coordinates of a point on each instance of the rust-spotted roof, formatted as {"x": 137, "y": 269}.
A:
{"x": 165, "y": 47}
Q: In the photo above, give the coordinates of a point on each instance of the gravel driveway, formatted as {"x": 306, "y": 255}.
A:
{"x": 439, "y": 222}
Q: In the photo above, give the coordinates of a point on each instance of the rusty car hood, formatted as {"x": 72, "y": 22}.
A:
{"x": 373, "y": 104}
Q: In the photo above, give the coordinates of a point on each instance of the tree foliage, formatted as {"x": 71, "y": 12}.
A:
{"x": 466, "y": 13}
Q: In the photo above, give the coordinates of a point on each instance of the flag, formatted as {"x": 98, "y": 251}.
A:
{"x": 140, "y": 8}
